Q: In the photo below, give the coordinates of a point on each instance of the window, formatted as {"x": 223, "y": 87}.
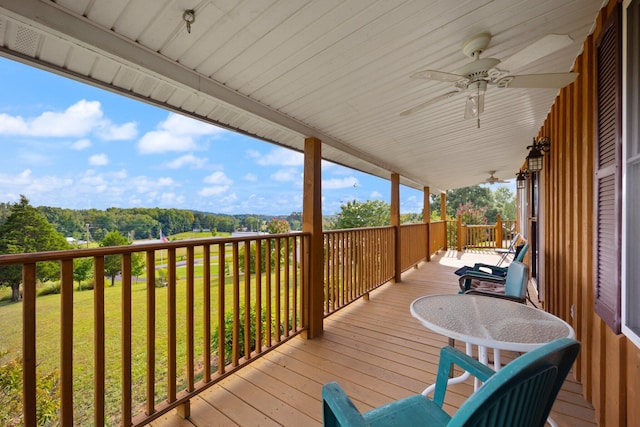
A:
{"x": 631, "y": 173}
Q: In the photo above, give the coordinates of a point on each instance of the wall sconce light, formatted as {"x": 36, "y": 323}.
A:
{"x": 521, "y": 180}
{"x": 539, "y": 147}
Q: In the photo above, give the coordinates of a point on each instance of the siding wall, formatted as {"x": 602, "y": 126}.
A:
{"x": 609, "y": 364}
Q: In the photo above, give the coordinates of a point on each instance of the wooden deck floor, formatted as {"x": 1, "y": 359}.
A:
{"x": 374, "y": 349}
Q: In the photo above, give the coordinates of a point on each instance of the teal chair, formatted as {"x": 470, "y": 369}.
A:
{"x": 520, "y": 394}
{"x": 513, "y": 286}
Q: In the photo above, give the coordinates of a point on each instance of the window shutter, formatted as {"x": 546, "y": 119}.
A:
{"x": 608, "y": 171}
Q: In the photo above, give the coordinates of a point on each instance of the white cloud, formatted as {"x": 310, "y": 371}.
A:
{"x": 77, "y": 120}
{"x": 218, "y": 178}
{"x": 98, "y": 160}
{"x": 338, "y": 183}
{"x": 81, "y": 144}
{"x": 30, "y": 184}
{"x": 215, "y": 190}
{"x": 176, "y": 133}
{"x": 375, "y": 195}
{"x": 183, "y": 125}
{"x": 111, "y": 132}
{"x": 287, "y": 175}
{"x": 162, "y": 141}
{"x": 171, "y": 199}
{"x": 187, "y": 160}
{"x": 250, "y": 177}
{"x": 281, "y": 157}
{"x": 145, "y": 185}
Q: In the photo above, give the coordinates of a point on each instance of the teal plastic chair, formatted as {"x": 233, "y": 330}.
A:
{"x": 520, "y": 394}
{"x": 513, "y": 286}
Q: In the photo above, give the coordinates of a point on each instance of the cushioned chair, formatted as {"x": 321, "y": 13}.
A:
{"x": 496, "y": 270}
{"x": 513, "y": 286}
{"x": 521, "y": 394}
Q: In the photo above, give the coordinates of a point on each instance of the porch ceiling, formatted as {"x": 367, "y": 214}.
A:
{"x": 338, "y": 70}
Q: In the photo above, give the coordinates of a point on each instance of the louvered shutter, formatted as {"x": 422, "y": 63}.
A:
{"x": 608, "y": 171}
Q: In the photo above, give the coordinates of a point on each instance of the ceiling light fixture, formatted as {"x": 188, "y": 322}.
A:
{"x": 189, "y": 16}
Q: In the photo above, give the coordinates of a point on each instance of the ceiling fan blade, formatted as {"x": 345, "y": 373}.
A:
{"x": 542, "y": 81}
{"x": 440, "y": 76}
{"x": 429, "y": 102}
{"x": 545, "y": 46}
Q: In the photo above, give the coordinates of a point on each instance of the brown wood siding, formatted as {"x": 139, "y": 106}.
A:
{"x": 609, "y": 364}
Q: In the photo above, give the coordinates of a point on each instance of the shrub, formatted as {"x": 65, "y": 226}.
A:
{"x": 47, "y": 395}
{"x": 228, "y": 332}
{"x": 50, "y": 289}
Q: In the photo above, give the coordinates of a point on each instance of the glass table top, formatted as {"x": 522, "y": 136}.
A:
{"x": 489, "y": 321}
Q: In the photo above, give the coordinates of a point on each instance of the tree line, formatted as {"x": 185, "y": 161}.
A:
{"x": 145, "y": 223}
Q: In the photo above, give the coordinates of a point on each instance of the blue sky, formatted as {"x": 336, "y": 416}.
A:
{"x": 71, "y": 145}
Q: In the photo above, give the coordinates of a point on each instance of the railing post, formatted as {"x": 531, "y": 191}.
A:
{"x": 395, "y": 222}
{"x": 426, "y": 218}
{"x": 313, "y": 307}
{"x": 443, "y": 217}
{"x": 460, "y": 233}
{"x": 29, "y": 387}
{"x": 498, "y": 231}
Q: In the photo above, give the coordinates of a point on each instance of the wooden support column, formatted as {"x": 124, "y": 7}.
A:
{"x": 426, "y": 218}
{"x": 395, "y": 222}
{"x": 443, "y": 217}
{"x": 460, "y": 237}
{"x": 498, "y": 231}
{"x": 313, "y": 307}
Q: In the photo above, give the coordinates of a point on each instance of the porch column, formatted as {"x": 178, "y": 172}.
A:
{"x": 313, "y": 310}
{"x": 395, "y": 222}
{"x": 443, "y": 217}
{"x": 498, "y": 231}
{"x": 426, "y": 218}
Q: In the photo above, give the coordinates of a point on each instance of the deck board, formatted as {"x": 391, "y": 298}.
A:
{"x": 374, "y": 349}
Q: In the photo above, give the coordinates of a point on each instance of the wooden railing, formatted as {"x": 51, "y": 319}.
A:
{"x": 237, "y": 293}
{"x": 470, "y": 236}
{"x": 356, "y": 261}
{"x": 438, "y": 238}
{"x": 151, "y": 344}
{"x": 479, "y": 236}
{"x": 413, "y": 244}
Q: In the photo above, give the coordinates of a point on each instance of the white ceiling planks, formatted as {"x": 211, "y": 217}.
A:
{"x": 337, "y": 70}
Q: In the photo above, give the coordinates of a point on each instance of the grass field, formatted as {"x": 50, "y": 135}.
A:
{"x": 48, "y": 337}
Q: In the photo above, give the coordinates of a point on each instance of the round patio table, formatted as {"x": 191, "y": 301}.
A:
{"x": 488, "y": 323}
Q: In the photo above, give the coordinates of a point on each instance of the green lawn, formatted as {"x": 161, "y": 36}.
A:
{"x": 48, "y": 338}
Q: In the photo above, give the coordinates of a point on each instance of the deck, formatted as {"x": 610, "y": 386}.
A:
{"x": 374, "y": 349}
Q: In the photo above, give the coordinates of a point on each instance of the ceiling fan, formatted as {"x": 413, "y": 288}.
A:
{"x": 494, "y": 179}
{"x": 475, "y": 77}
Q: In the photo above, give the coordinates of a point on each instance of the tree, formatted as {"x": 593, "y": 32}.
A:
{"x": 505, "y": 202}
{"x": 476, "y": 195}
{"x": 138, "y": 264}
{"x": 113, "y": 263}
{"x": 278, "y": 226}
{"x": 82, "y": 270}
{"x": 27, "y": 230}
{"x": 372, "y": 213}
